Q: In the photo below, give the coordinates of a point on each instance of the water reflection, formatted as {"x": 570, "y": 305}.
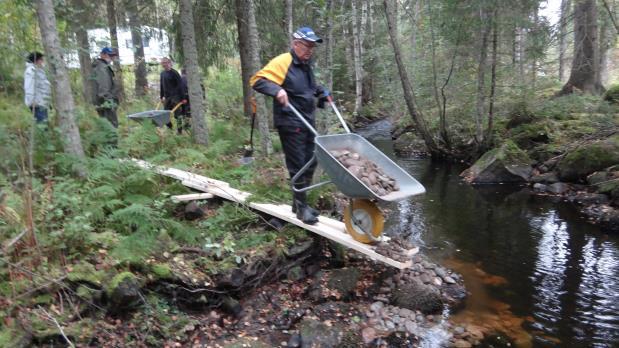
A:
{"x": 530, "y": 263}
{"x": 549, "y": 274}
{"x": 555, "y": 270}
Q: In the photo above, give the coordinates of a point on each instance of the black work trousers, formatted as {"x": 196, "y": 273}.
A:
{"x": 298, "y": 146}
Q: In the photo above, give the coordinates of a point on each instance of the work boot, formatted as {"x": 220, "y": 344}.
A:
{"x": 304, "y": 213}
{"x": 302, "y": 197}
{"x": 314, "y": 212}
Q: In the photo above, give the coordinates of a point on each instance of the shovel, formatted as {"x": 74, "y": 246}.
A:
{"x": 249, "y": 148}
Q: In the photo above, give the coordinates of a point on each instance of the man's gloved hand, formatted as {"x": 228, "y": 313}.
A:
{"x": 323, "y": 96}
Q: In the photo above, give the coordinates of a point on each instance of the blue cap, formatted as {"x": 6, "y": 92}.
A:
{"x": 307, "y": 34}
{"x": 109, "y": 51}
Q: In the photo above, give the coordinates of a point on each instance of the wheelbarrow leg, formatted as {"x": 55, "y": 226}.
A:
{"x": 295, "y": 179}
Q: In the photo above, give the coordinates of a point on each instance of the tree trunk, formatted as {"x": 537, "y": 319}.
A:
{"x": 242, "y": 27}
{"x": 194, "y": 83}
{"x": 112, "y": 26}
{"x": 585, "y": 74}
{"x": 607, "y": 41}
{"x": 83, "y": 52}
{"x": 488, "y": 140}
{"x": 83, "y": 46}
{"x": 139, "y": 62}
{"x": 357, "y": 59}
{"x": 262, "y": 114}
{"x": 329, "y": 44}
{"x": 249, "y": 49}
{"x": 407, "y": 87}
{"x": 348, "y": 45}
{"x": 288, "y": 24}
{"x": 481, "y": 76}
{"x": 63, "y": 99}
{"x": 565, "y": 13}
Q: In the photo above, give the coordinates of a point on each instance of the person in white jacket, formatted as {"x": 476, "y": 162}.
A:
{"x": 37, "y": 89}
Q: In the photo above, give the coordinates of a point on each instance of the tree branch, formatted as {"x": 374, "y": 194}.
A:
{"x": 610, "y": 14}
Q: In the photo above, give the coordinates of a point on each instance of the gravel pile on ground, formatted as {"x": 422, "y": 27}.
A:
{"x": 367, "y": 171}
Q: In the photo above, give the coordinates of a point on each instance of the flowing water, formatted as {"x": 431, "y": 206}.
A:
{"x": 535, "y": 269}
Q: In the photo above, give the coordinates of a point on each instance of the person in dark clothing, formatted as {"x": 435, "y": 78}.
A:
{"x": 186, "y": 108}
{"x": 290, "y": 80}
{"x": 171, "y": 92}
{"x": 105, "y": 89}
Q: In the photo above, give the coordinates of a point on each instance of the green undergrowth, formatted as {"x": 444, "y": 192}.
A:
{"x": 120, "y": 218}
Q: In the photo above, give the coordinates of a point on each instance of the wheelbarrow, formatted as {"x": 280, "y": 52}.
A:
{"x": 159, "y": 117}
{"x": 363, "y": 218}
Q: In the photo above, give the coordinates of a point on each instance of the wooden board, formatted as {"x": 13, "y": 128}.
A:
{"x": 192, "y": 197}
{"x": 326, "y": 227}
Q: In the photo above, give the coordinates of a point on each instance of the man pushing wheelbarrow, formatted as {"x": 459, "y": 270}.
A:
{"x": 290, "y": 80}
{"x": 360, "y": 171}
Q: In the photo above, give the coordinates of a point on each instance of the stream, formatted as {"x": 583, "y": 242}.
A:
{"x": 535, "y": 269}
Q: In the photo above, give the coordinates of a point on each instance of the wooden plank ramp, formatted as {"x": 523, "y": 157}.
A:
{"x": 192, "y": 197}
{"x": 329, "y": 228}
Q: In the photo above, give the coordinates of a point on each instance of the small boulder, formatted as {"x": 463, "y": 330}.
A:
{"x": 545, "y": 178}
{"x": 315, "y": 333}
{"x": 506, "y": 164}
{"x": 540, "y": 187}
{"x": 344, "y": 281}
{"x": 586, "y": 198}
{"x": 588, "y": 158}
{"x": 193, "y": 211}
{"x": 417, "y": 296}
{"x": 123, "y": 293}
{"x": 558, "y": 188}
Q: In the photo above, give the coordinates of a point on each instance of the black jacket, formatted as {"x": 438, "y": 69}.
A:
{"x": 287, "y": 71}
{"x": 171, "y": 85}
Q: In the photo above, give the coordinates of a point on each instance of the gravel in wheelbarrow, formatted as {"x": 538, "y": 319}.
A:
{"x": 159, "y": 117}
{"x": 367, "y": 171}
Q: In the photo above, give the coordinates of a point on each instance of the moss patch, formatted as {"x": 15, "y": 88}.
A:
{"x": 589, "y": 158}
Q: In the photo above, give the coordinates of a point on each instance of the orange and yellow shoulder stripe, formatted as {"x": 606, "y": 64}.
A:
{"x": 275, "y": 71}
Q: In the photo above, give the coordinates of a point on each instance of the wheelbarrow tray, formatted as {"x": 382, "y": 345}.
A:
{"x": 350, "y": 185}
{"x": 159, "y": 117}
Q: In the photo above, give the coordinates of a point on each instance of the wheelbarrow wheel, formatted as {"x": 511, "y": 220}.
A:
{"x": 364, "y": 221}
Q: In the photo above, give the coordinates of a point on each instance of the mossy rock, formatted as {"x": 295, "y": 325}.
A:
{"x": 588, "y": 158}
{"x": 612, "y": 94}
{"x": 123, "y": 292}
{"x": 162, "y": 271}
{"x": 417, "y": 296}
{"x": 529, "y": 135}
{"x": 86, "y": 272}
{"x": 505, "y": 164}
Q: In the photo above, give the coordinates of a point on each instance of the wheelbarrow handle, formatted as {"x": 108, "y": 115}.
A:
{"x": 298, "y": 114}
{"x": 337, "y": 112}
{"x": 176, "y": 107}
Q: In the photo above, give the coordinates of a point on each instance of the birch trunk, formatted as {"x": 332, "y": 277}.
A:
{"x": 565, "y": 13}
{"x": 139, "y": 62}
{"x": 113, "y": 28}
{"x": 585, "y": 74}
{"x": 196, "y": 99}
{"x": 63, "y": 99}
{"x": 407, "y": 87}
